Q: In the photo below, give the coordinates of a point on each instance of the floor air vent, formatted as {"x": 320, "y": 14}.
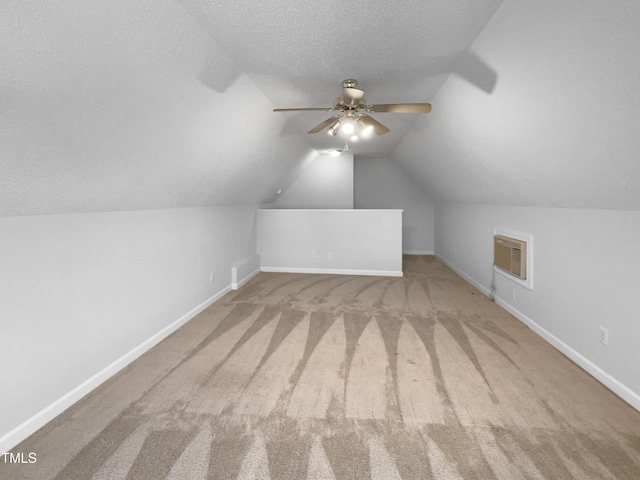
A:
{"x": 510, "y": 255}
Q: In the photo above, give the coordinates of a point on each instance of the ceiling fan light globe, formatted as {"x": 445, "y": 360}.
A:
{"x": 348, "y": 128}
{"x": 333, "y": 129}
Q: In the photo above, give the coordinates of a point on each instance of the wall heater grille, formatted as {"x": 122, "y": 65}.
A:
{"x": 510, "y": 255}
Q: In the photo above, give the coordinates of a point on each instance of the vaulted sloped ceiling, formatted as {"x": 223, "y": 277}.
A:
{"x": 146, "y": 104}
{"x": 561, "y": 126}
{"x": 298, "y": 53}
{"x": 125, "y": 105}
{"x": 167, "y": 103}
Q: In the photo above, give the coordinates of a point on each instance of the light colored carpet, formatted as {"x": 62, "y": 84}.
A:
{"x": 344, "y": 377}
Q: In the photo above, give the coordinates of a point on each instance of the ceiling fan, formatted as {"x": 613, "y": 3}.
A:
{"x": 352, "y": 118}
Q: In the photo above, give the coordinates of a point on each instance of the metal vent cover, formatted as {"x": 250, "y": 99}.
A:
{"x": 510, "y": 255}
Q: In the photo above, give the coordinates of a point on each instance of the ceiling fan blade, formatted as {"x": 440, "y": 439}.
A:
{"x": 324, "y": 124}
{"x": 327, "y": 109}
{"x": 352, "y": 96}
{"x": 378, "y": 128}
{"x": 401, "y": 108}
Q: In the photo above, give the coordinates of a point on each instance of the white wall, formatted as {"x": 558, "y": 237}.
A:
{"x": 380, "y": 183}
{"x": 362, "y": 242}
{"x": 327, "y": 182}
{"x": 557, "y": 129}
{"x": 585, "y": 275}
{"x": 80, "y": 292}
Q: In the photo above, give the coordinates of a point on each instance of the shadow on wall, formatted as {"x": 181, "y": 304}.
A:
{"x": 218, "y": 71}
{"x": 474, "y": 70}
{"x": 409, "y": 238}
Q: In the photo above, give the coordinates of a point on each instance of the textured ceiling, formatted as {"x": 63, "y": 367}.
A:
{"x": 124, "y": 105}
{"x": 145, "y": 104}
{"x": 298, "y": 53}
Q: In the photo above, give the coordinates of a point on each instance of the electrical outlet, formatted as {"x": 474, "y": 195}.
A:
{"x": 603, "y": 335}
{"x": 212, "y": 277}
{"x": 330, "y": 255}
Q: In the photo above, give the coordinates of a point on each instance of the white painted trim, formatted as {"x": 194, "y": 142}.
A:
{"x": 237, "y": 285}
{"x": 332, "y": 209}
{"x": 44, "y": 416}
{"x": 480, "y": 287}
{"x": 417, "y": 252}
{"x": 620, "y": 389}
{"x": 333, "y": 271}
{"x": 613, "y": 384}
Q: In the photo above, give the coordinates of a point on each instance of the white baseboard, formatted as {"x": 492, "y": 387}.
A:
{"x": 237, "y": 285}
{"x": 620, "y": 389}
{"x": 44, "y": 416}
{"x": 480, "y": 287}
{"x": 417, "y": 252}
{"x": 333, "y": 271}
{"x": 624, "y": 392}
